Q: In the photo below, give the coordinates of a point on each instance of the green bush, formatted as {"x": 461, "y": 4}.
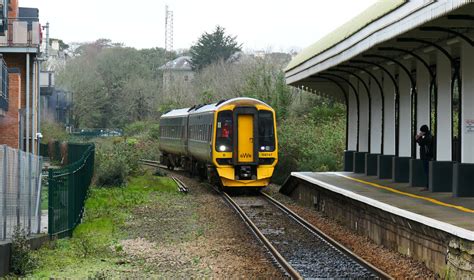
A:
{"x": 115, "y": 161}
{"x": 136, "y": 128}
{"x": 22, "y": 261}
{"x": 154, "y": 131}
{"x": 143, "y": 129}
{"x": 53, "y": 132}
{"x": 312, "y": 142}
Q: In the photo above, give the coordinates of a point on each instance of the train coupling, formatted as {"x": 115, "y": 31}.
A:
{"x": 245, "y": 173}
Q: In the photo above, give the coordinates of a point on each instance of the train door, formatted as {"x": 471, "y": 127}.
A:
{"x": 245, "y": 142}
{"x": 245, "y": 130}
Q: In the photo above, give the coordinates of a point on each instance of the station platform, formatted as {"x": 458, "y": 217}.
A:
{"x": 435, "y": 228}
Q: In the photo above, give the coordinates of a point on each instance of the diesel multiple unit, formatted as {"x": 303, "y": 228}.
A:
{"x": 233, "y": 143}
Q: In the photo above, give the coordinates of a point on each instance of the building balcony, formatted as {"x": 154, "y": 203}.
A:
{"x": 3, "y": 86}
{"x": 20, "y": 35}
{"x": 47, "y": 82}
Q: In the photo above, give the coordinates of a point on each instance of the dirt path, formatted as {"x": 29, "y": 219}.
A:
{"x": 194, "y": 236}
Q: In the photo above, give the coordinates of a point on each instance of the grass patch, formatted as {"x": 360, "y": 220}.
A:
{"x": 94, "y": 248}
{"x": 44, "y": 197}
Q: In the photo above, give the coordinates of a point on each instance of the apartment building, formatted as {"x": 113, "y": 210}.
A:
{"x": 20, "y": 40}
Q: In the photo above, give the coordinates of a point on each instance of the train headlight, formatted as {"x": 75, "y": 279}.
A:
{"x": 262, "y": 148}
{"x": 222, "y": 148}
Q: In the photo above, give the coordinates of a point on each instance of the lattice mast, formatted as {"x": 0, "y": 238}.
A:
{"x": 168, "y": 29}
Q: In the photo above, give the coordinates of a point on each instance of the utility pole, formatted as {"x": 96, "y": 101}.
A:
{"x": 168, "y": 29}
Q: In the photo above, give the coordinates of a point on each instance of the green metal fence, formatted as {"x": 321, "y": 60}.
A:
{"x": 67, "y": 191}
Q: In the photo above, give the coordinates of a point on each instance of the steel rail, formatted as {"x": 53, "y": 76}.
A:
{"x": 181, "y": 186}
{"x": 326, "y": 237}
{"x": 152, "y": 163}
{"x": 279, "y": 258}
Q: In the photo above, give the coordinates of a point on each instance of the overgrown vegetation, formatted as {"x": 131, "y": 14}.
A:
{"x": 118, "y": 158}
{"x": 22, "y": 260}
{"x": 119, "y": 87}
{"x": 113, "y": 85}
{"x": 314, "y": 141}
{"x": 53, "y": 132}
{"x": 95, "y": 246}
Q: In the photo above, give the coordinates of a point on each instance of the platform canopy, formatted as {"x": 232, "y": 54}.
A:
{"x": 397, "y": 66}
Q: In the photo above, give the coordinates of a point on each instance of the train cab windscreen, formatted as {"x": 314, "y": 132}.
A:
{"x": 266, "y": 131}
{"x": 224, "y": 142}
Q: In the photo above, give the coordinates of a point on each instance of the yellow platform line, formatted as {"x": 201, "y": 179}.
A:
{"x": 432, "y": 200}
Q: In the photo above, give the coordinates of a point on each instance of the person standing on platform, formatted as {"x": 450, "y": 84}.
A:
{"x": 425, "y": 140}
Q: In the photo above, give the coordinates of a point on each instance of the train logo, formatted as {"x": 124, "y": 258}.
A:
{"x": 245, "y": 155}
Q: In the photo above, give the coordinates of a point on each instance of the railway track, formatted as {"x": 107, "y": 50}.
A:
{"x": 152, "y": 163}
{"x": 301, "y": 250}
{"x": 181, "y": 186}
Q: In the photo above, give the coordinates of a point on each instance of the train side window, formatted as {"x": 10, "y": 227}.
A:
{"x": 224, "y": 133}
{"x": 266, "y": 131}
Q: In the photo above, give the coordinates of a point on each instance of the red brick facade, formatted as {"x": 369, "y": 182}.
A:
{"x": 16, "y": 63}
{"x": 13, "y": 9}
{"x": 9, "y": 124}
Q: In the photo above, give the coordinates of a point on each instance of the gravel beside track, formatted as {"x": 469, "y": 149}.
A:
{"x": 216, "y": 244}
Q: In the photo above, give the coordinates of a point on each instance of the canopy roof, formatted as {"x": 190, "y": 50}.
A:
{"x": 386, "y": 24}
{"x": 374, "y": 12}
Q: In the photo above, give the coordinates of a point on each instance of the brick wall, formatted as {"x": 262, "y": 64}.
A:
{"x": 9, "y": 124}
{"x": 13, "y": 9}
{"x": 17, "y": 61}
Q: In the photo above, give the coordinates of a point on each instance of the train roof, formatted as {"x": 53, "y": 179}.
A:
{"x": 203, "y": 108}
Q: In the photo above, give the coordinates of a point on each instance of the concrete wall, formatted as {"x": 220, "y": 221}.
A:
{"x": 467, "y": 72}
{"x": 9, "y": 124}
{"x": 389, "y": 130}
{"x": 444, "y": 120}
{"x": 423, "y": 93}
{"x": 405, "y": 114}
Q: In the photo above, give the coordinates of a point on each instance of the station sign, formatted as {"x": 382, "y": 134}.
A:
{"x": 469, "y": 126}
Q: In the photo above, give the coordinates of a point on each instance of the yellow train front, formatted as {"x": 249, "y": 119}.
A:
{"x": 232, "y": 142}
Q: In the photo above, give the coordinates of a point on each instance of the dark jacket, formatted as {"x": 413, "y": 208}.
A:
{"x": 426, "y": 146}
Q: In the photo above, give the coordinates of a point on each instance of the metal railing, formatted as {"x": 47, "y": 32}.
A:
{"x": 68, "y": 188}
{"x": 98, "y": 132}
{"x": 21, "y": 32}
{"x": 20, "y": 191}
{"x": 3, "y": 85}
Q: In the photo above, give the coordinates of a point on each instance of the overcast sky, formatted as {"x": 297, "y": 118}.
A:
{"x": 258, "y": 24}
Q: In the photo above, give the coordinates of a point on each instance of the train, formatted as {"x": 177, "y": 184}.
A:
{"x": 232, "y": 143}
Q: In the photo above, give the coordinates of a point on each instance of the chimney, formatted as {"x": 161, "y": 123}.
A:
{"x": 13, "y": 9}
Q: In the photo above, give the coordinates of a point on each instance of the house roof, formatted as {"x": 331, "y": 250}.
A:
{"x": 182, "y": 63}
